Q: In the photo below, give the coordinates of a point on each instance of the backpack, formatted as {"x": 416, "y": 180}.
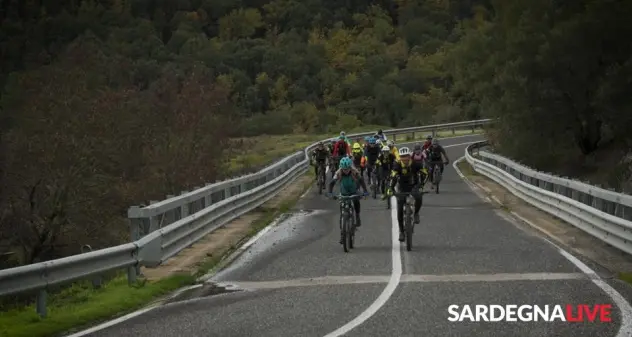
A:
{"x": 417, "y": 156}
{"x": 342, "y": 147}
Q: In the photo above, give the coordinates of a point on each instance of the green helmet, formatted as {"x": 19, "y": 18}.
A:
{"x": 345, "y": 163}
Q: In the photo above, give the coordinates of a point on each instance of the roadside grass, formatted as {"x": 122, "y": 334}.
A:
{"x": 466, "y": 168}
{"x": 253, "y": 153}
{"x": 80, "y": 305}
{"x": 627, "y": 277}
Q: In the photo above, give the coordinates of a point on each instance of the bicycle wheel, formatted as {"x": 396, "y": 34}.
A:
{"x": 436, "y": 178}
{"x": 344, "y": 232}
{"x": 352, "y": 229}
{"x": 374, "y": 184}
{"x": 409, "y": 228}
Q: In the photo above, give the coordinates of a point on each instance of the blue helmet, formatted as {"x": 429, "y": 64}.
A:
{"x": 345, "y": 163}
{"x": 372, "y": 140}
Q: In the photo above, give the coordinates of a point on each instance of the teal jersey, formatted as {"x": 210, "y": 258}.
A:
{"x": 349, "y": 183}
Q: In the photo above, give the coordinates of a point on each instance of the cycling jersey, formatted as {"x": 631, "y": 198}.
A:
{"x": 434, "y": 153}
{"x": 320, "y": 155}
{"x": 349, "y": 182}
{"x": 406, "y": 176}
{"x": 372, "y": 152}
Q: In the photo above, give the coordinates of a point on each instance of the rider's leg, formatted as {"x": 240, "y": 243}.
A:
{"x": 442, "y": 167}
{"x": 400, "y": 217}
{"x": 356, "y": 206}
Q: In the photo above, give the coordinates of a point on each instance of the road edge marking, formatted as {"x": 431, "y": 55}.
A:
{"x": 625, "y": 327}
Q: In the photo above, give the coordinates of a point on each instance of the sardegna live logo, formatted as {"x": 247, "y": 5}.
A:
{"x": 598, "y": 313}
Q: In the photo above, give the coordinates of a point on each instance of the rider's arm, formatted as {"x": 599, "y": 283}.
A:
{"x": 394, "y": 177}
{"x": 445, "y": 154}
{"x": 333, "y": 181}
{"x": 361, "y": 181}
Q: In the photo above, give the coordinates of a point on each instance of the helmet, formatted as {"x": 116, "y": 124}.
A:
{"x": 435, "y": 142}
{"x": 372, "y": 141}
{"x": 417, "y": 147}
{"x": 378, "y": 141}
{"x": 345, "y": 163}
{"x": 404, "y": 151}
{"x": 386, "y": 149}
{"x": 366, "y": 139}
{"x": 342, "y": 133}
{"x": 379, "y": 132}
{"x": 390, "y": 143}
{"x": 429, "y": 137}
{"x": 357, "y": 146}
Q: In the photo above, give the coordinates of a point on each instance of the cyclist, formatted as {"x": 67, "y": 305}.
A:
{"x": 380, "y": 134}
{"x": 393, "y": 148}
{"x": 435, "y": 152}
{"x": 384, "y": 164}
{"x": 341, "y": 149}
{"x": 428, "y": 142}
{"x": 371, "y": 153}
{"x": 419, "y": 155}
{"x": 346, "y": 139}
{"x": 350, "y": 180}
{"x": 319, "y": 155}
{"x": 406, "y": 174}
{"x": 357, "y": 153}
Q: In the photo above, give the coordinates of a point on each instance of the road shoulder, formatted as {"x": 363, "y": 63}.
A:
{"x": 562, "y": 233}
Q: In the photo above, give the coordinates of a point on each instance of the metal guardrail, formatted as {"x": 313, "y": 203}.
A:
{"x": 602, "y": 213}
{"x": 162, "y": 229}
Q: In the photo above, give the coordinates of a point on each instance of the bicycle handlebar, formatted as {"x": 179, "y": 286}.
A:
{"x": 348, "y": 197}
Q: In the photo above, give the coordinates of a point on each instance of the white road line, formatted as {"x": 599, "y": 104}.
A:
{"x": 396, "y": 274}
{"x": 405, "y": 278}
{"x": 625, "y": 329}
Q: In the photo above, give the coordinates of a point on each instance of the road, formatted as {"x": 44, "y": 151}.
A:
{"x": 297, "y": 281}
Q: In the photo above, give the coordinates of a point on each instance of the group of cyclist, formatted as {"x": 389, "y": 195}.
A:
{"x": 405, "y": 169}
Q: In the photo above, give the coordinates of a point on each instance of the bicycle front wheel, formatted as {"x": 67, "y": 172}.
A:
{"x": 409, "y": 229}
{"x": 345, "y": 233}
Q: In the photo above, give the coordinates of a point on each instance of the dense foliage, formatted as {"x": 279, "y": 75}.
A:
{"x": 107, "y": 103}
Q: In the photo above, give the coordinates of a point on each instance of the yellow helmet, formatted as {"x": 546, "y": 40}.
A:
{"x": 357, "y": 146}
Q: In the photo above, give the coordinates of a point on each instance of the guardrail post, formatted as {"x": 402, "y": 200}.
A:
{"x": 184, "y": 210}
{"x": 453, "y": 131}
{"x": 96, "y": 281}
{"x": 208, "y": 199}
{"x": 434, "y": 133}
{"x": 170, "y": 216}
{"x": 41, "y": 303}
{"x": 154, "y": 224}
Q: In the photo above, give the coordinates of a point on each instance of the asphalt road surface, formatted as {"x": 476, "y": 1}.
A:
{"x": 296, "y": 280}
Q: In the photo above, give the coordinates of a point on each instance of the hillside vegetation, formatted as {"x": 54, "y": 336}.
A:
{"x": 107, "y": 104}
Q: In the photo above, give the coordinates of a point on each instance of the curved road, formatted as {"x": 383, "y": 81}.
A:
{"x": 296, "y": 280}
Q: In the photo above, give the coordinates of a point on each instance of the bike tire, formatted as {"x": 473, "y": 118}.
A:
{"x": 409, "y": 230}
{"x": 437, "y": 178}
{"x": 345, "y": 233}
{"x": 352, "y": 229}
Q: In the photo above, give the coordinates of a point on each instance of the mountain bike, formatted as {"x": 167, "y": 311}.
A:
{"x": 409, "y": 223}
{"x": 347, "y": 220}
{"x": 436, "y": 174}
{"x": 322, "y": 178}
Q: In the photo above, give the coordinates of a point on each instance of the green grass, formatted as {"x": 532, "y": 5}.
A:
{"x": 466, "y": 168}
{"x": 80, "y": 305}
{"x": 627, "y": 277}
{"x": 255, "y": 152}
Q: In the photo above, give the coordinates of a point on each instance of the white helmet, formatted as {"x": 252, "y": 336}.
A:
{"x": 386, "y": 149}
{"x": 404, "y": 151}
{"x": 390, "y": 143}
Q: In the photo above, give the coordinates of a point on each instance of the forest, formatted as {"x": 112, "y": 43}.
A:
{"x": 106, "y": 104}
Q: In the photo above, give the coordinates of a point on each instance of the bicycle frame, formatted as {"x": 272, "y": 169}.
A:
{"x": 347, "y": 212}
